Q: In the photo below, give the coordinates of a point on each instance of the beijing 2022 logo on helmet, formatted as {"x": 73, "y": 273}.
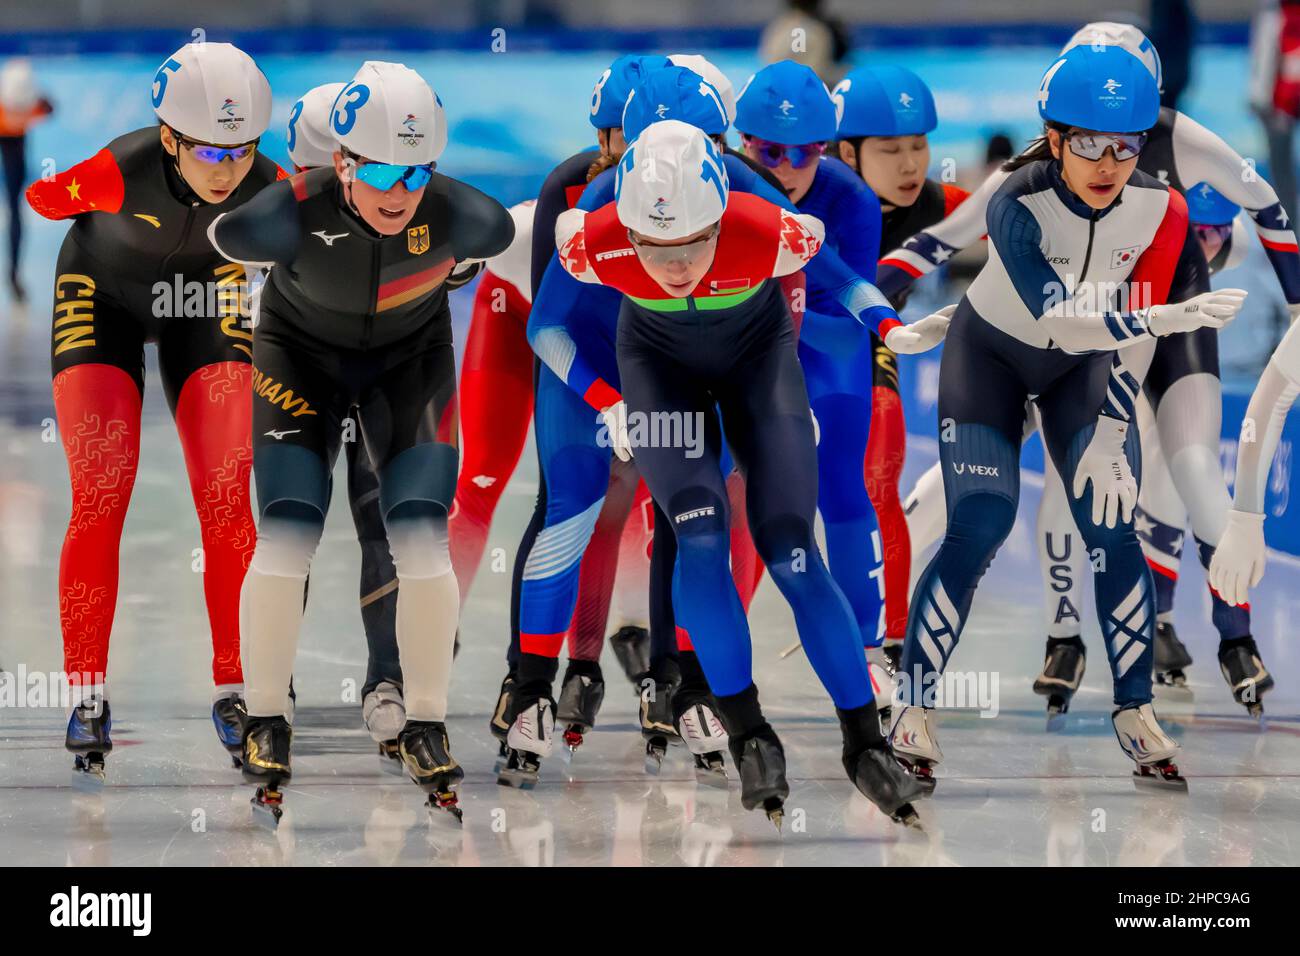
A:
{"x": 226, "y": 116}
{"x": 408, "y": 135}
{"x": 1113, "y": 99}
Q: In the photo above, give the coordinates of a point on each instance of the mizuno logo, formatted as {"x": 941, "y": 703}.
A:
{"x": 279, "y": 435}
{"x": 484, "y": 481}
{"x": 327, "y": 238}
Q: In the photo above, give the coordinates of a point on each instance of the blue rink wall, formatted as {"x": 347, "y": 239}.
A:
{"x": 514, "y": 115}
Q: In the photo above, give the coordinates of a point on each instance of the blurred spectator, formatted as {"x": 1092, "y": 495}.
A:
{"x": 1275, "y": 89}
{"x": 806, "y": 35}
{"x": 20, "y": 106}
{"x": 997, "y": 152}
{"x": 1173, "y": 33}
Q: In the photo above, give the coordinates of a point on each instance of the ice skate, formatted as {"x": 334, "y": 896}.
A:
{"x": 529, "y": 741}
{"x": 425, "y": 752}
{"x": 1062, "y": 674}
{"x": 499, "y": 725}
{"x": 1170, "y": 657}
{"x": 884, "y": 682}
{"x": 266, "y": 763}
{"x": 1247, "y": 677}
{"x": 760, "y": 761}
{"x": 385, "y": 715}
{"x": 657, "y": 722}
{"x": 702, "y": 732}
{"x": 89, "y": 740}
{"x": 1148, "y": 746}
{"x": 892, "y": 648}
{"x": 873, "y": 769}
{"x": 631, "y": 645}
{"x": 915, "y": 746}
{"x": 581, "y": 695}
{"x": 228, "y": 716}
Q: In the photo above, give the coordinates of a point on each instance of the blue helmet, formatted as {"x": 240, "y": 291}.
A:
{"x": 1206, "y": 206}
{"x": 1102, "y": 88}
{"x": 674, "y": 93}
{"x": 614, "y": 85}
{"x": 884, "y": 101}
{"x": 786, "y": 103}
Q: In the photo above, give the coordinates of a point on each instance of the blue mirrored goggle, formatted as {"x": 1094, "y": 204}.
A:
{"x": 384, "y": 176}
{"x": 207, "y": 153}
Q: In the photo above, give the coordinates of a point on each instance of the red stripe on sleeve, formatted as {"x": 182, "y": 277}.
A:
{"x": 907, "y": 267}
{"x": 1279, "y": 246}
{"x": 1151, "y": 278}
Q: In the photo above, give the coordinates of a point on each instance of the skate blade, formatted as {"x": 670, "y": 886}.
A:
{"x": 715, "y": 777}
{"x": 1056, "y": 722}
{"x": 1152, "y": 780}
{"x": 267, "y": 808}
{"x": 88, "y": 778}
{"x": 908, "y": 817}
{"x": 774, "y": 807}
{"x": 390, "y": 762}
{"x": 656, "y": 748}
{"x": 445, "y": 808}
{"x": 1256, "y": 712}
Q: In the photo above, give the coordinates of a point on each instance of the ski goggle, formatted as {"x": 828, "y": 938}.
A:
{"x": 207, "y": 153}
{"x": 771, "y": 154}
{"x": 384, "y": 176}
{"x": 1093, "y": 146}
{"x": 685, "y": 255}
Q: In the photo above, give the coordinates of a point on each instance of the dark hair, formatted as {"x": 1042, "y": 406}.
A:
{"x": 1040, "y": 148}
{"x": 606, "y": 160}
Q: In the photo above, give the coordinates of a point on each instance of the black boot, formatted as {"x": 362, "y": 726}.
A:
{"x": 872, "y": 767}
{"x": 757, "y": 752}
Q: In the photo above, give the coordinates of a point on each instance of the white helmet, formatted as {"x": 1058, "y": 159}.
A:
{"x": 712, "y": 75}
{"x": 1125, "y": 36}
{"x": 388, "y": 114}
{"x": 18, "y": 86}
{"x": 213, "y": 93}
{"x": 311, "y": 143}
{"x": 671, "y": 182}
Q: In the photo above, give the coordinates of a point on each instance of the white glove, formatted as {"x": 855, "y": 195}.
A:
{"x": 1239, "y": 559}
{"x": 922, "y": 335}
{"x": 1209, "y": 309}
{"x": 615, "y": 418}
{"x": 1114, "y": 489}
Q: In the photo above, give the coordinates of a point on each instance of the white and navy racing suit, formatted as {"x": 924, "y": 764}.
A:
{"x": 1181, "y": 445}
{"x": 1041, "y": 321}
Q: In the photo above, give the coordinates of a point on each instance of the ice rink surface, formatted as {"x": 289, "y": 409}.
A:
{"x": 1008, "y": 794}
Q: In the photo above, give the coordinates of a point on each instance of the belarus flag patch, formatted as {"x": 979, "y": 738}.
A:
{"x": 725, "y": 286}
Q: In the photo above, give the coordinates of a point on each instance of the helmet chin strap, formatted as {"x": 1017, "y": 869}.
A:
{"x": 350, "y": 170}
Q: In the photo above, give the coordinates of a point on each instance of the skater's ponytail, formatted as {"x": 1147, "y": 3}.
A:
{"x": 1039, "y": 148}
{"x": 606, "y": 160}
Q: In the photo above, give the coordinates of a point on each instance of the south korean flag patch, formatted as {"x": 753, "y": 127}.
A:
{"x": 1124, "y": 258}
